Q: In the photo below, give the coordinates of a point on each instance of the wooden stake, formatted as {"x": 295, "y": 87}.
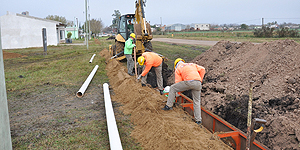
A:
{"x": 249, "y": 117}
{"x": 135, "y": 63}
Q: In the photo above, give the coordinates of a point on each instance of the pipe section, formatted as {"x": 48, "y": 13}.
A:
{"x": 91, "y": 60}
{"x": 113, "y": 133}
{"x": 87, "y": 82}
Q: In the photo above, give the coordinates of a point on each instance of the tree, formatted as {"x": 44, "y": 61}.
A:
{"x": 61, "y": 19}
{"x": 116, "y": 15}
{"x": 69, "y": 35}
{"x": 107, "y": 29}
{"x": 244, "y": 26}
{"x": 96, "y": 26}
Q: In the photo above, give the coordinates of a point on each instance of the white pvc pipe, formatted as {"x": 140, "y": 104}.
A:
{"x": 91, "y": 60}
{"x": 113, "y": 133}
{"x": 87, "y": 82}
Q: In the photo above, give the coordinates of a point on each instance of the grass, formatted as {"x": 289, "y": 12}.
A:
{"x": 66, "y": 65}
{"x": 71, "y": 124}
{"x": 174, "y": 51}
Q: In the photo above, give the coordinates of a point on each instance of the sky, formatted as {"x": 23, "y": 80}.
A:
{"x": 165, "y": 12}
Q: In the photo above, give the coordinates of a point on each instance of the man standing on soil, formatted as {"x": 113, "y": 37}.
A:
{"x": 188, "y": 76}
{"x": 149, "y": 60}
{"x": 129, "y": 45}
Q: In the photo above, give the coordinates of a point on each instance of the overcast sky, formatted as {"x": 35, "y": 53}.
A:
{"x": 165, "y": 11}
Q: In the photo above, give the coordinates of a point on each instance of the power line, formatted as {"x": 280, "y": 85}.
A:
{"x": 248, "y": 20}
{"x": 282, "y": 18}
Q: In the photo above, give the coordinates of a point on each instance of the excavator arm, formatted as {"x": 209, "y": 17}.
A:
{"x": 142, "y": 28}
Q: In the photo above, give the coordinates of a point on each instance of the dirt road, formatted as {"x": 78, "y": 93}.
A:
{"x": 184, "y": 41}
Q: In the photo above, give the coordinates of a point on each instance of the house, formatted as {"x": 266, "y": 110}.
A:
{"x": 158, "y": 25}
{"x": 199, "y": 26}
{"x": 23, "y": 31}
{"x": 218, "y": 28}
{"x": 175, "y": 27}
{"x": 73, "y": 30}
{"x": 274, "y": 26}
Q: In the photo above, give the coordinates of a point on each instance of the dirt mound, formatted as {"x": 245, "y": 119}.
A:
{"x": 7, "y": 55}
{"x": 155, "y": 128}
{"x": 275, "y": 69}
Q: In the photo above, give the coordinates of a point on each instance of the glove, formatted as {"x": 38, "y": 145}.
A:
{"x": 139, "y": 77}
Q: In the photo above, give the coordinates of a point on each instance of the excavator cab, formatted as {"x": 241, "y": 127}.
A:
{"x": 125, "y": 25}
{"x": 139, "y": 26}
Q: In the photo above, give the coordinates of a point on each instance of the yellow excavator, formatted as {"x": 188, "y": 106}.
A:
{"x": 142, "y": 30}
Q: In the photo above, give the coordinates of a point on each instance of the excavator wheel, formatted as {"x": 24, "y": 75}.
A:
{"x": 119, "y": 46}
{"x": 148, "y": 45}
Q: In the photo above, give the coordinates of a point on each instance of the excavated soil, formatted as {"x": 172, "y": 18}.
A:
{"x": 7, "y": 55}
{"x": 275, "y": 69}
{"x": 155, "y": 128}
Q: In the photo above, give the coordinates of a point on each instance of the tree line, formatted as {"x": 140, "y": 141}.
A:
{"x": 96, "y": 25}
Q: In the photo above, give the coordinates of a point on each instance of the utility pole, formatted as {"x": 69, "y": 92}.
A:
{"x": 77, "y": 23}
{"x": 5, "y": 136}
{"x": 86, "y": 25}
{"x": 89, "y": 25}
{"x": 74, "y": 27}
{"x": 262, "y": 22}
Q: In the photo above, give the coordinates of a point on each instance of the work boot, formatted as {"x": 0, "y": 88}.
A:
{"x": 131, "y": 74}
{"x": 199, "y": 123}
{"x": 161, "y": 92}
{"x": 143, "y": 85}
{"x": 167, "y": 108}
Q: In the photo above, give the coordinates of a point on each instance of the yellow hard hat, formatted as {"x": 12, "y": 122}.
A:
{"x": 176, "y": 61}
{"x": 132, "y": 35}
{"x": 141, "y": 60}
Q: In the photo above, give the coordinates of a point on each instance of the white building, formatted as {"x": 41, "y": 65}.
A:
{"x": 175, "y": 27}
{"x": 201, "y": 26}
{"x": 23, "y": 31}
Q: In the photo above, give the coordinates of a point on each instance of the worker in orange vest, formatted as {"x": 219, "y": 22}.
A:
{"x": 149, "y": 60}
{"x": 188, "y": 76}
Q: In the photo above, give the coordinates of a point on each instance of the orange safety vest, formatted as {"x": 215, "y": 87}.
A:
{"x": 189, "y": 71}
{"x": 151, "y": 60}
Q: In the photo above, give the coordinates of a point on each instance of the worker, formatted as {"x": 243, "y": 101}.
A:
{"x": 149, "y": 60}
{"x": 188, "y": 76}
{"x": 129, "y": 45}
{"x": 130, "y": 26}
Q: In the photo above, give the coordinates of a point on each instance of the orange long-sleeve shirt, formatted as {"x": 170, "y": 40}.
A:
{"x": 151, "y": 60}
{"x": 189, "y": 71}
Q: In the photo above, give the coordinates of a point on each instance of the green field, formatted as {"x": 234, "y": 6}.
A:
{"x": 234, "y": 36}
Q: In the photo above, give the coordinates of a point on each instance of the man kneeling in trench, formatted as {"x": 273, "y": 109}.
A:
{"x": 149, "y": 60}
{"x": 188, "y": 76}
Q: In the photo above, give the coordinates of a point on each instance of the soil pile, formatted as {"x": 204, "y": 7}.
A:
{"x": 155, "y": 128}
{"x": 275, "y": 69}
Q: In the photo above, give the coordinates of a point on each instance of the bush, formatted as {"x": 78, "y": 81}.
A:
{"x": 268, "y": 32}
{"x": 69, "y": 35}
{"x": 264, "y": 32}
{"x": 285, "y": 32}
